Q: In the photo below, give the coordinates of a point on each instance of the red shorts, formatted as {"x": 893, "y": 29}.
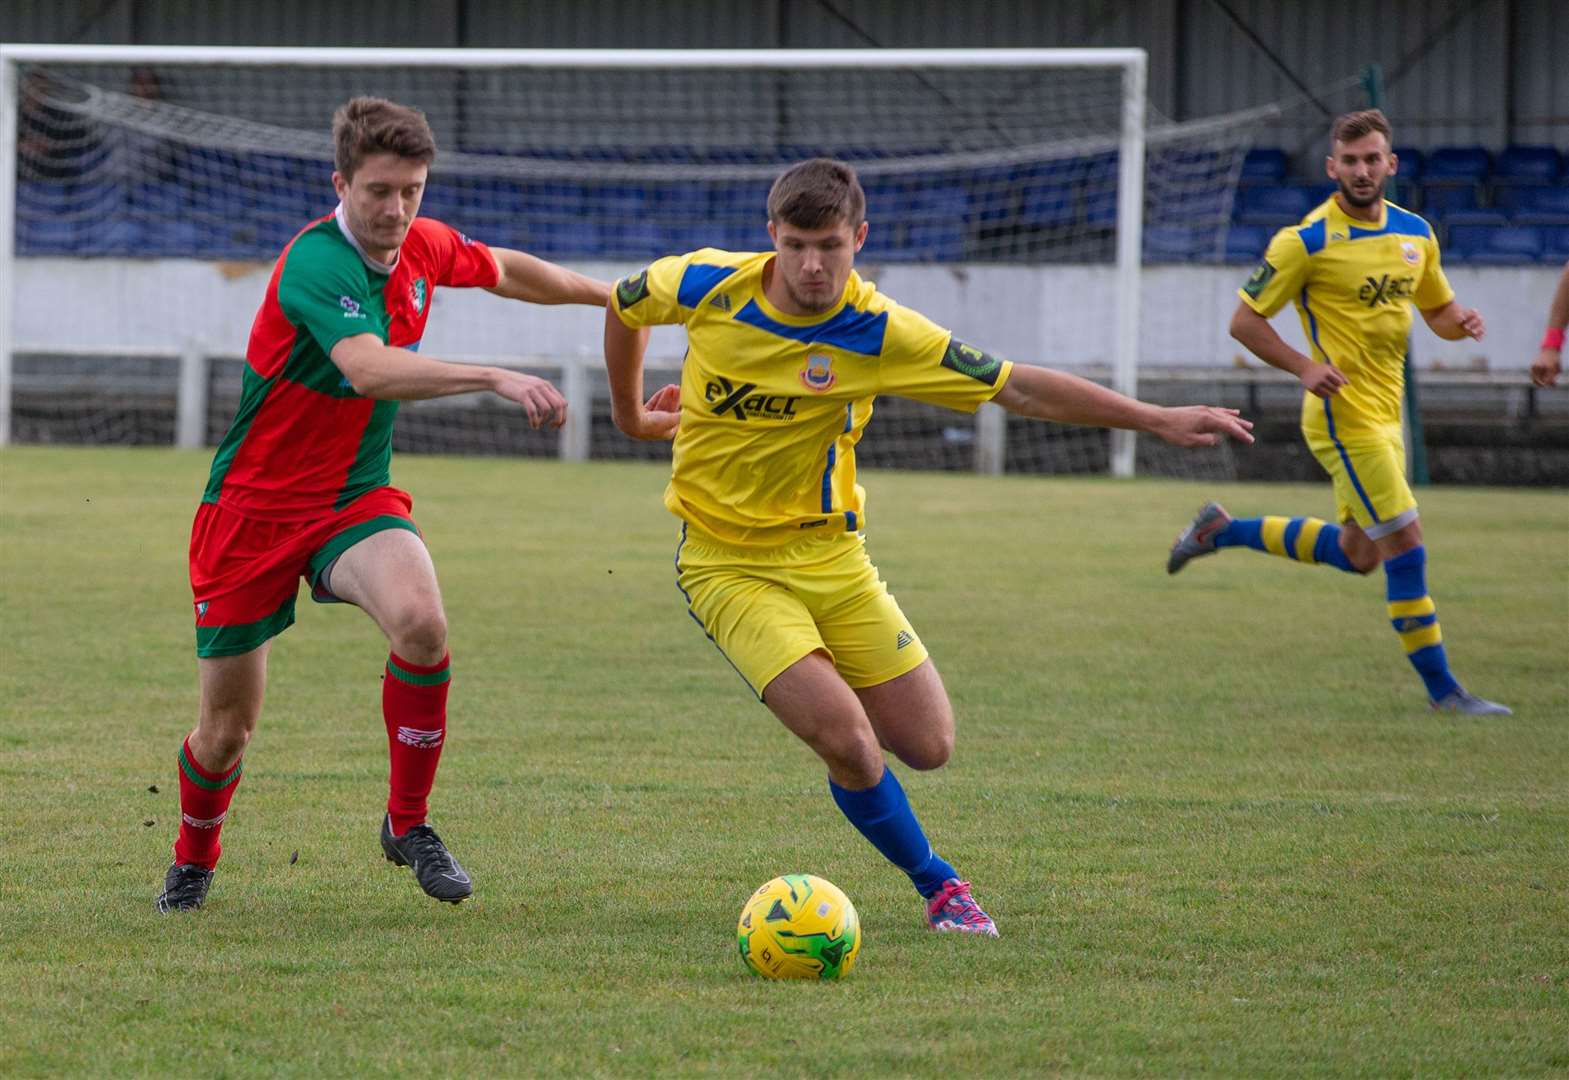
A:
{"x": 245, "y": 572}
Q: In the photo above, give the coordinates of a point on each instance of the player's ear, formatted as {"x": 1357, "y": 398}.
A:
{"x": 1394, "y": 163}
{"x": 860, "y": 235}
{"x": 773, "y": 234}
{"x": 1329, "y": 167}
{"x": 340, "y": 183}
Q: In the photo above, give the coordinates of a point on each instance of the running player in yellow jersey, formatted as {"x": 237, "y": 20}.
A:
{"x": 786, "y": 351}
{"x": 1353, "y": 268}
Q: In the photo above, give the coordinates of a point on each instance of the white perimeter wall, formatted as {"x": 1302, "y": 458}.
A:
{"x": 1060, "y": 316}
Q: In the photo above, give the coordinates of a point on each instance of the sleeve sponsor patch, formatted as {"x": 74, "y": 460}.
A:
{"x": 629, "y": 290}
{"x": 968, "y": 360}
{"x": 1260, "y": 279}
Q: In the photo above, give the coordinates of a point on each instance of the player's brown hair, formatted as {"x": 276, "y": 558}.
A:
{"x": 1354, "y": 125}
{"x": 816, "y": 194}
{"x": 370, "y": 125}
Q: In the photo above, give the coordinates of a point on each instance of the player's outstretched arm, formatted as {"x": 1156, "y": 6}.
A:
{"x": 1055, "y": 395}
{"x": 526, "y": 277}
{"x": 1259, "y": 338}
{"x": 1453, "y": 322}
{"x": 660, "y": 416}
{"x": 1549, "y": 358}
{"x": 386, "y": 373}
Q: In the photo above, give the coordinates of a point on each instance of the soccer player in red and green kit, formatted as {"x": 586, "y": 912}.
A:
{"x": 299, "y": 485}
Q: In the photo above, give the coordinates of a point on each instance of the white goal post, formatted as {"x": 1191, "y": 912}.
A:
{"x": 1121, "y": 148}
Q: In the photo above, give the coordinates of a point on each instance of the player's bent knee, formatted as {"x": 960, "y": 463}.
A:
{"x": 419, "y": 634}
{"x": 221, "y": 744}
{"x": 931, "y": 753}
{"x": 859, "y": 760}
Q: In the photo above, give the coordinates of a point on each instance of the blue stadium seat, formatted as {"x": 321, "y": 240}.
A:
{"x": 748, "y": 198}
{"x": 936, "y": 240}
{"x": 1274, "y": 206}
{"x": 552, "y": 199}
{"x": 615, "y": 202}
{"x": 1049, "y": 194}
{"x": 884, "y": 242}
{"x": 634, "y": 238}
{"x": 176, "y": 238}
{"x": 992, "y": 196}
{"x": 1496, "y": 244}
{"x": 1175, "y": 243}
{"x": 1536, "y": 164}
{"x": 1411, "y": 163}
{"x": 118, "y": 236}
{"x": 157, "y": 199}
{"x": 558, "y": 238}
{"x": 1100, "y": 192}
{"x": 677, "y": 199}
{"x": 1439, "y": 200}
{"x": 1458, "y": 164}
{"x": 747, "y": 235}
{"x": 1533, "y": 198}
{"x": 1264, "y": 165}
{"x": 47, "y": 236}
{"x": 1555, "y": 243}
{"x": 1542, "y": 205}
{"x": 1246, "y": 243}
{"x": 1474, "y": 217}
{"x": 679, "y": 237}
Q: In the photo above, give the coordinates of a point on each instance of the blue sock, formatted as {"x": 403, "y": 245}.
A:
{"x": 1415, "y": 618}
{"x": 1305, "y": 540}
{"x": 884, "y": 817}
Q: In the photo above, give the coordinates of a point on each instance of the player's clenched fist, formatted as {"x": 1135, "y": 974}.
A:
{"x": 1322, "y": 380}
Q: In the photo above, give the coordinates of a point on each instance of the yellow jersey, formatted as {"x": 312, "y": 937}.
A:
{"x": 1353, "y": 283}
{"x": 772, "y": 405}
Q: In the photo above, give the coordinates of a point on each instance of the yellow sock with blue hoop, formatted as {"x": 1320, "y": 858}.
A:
{"x": 1301, "y": 539}
{"x": 1415, "y": 618}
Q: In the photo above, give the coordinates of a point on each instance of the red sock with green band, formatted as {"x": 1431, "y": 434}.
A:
{"x": 414, "y": 705}
{"x": 204, "y": 803}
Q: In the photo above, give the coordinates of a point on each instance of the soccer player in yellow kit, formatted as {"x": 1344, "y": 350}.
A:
{"x": 1353, "y": 268}
{"x": 787, "y": 349}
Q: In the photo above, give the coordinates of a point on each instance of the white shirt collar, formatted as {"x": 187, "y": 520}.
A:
{"x": 348, "y": 234}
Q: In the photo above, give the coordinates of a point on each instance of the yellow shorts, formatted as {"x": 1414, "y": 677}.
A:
{"x": 1367, "y": 463}
{"x": 767, "y": 608}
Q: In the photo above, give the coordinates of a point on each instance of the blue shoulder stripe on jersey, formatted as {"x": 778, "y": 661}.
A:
{"x": 1314, "y": 235}
{"x": 1397, "y": 221}
{"x": 850, "y": 330}
{"x": 697, "y": 280}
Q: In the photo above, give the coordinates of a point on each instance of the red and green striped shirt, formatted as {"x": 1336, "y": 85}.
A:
{"x": 303, "y": 443}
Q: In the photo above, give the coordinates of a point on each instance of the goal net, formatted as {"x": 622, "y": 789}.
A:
{"x": 1007, "y": 200}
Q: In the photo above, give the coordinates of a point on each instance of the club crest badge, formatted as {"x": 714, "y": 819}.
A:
{"x": 417, "y": 295}
{"x": 1409, "y": 253}
{"x": 818, "y": 374}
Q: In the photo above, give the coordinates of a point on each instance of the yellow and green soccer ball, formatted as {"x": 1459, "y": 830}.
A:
{"x": 799, "y": 927}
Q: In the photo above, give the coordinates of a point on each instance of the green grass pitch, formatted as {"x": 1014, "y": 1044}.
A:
{"x": 1217, "y": 827}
